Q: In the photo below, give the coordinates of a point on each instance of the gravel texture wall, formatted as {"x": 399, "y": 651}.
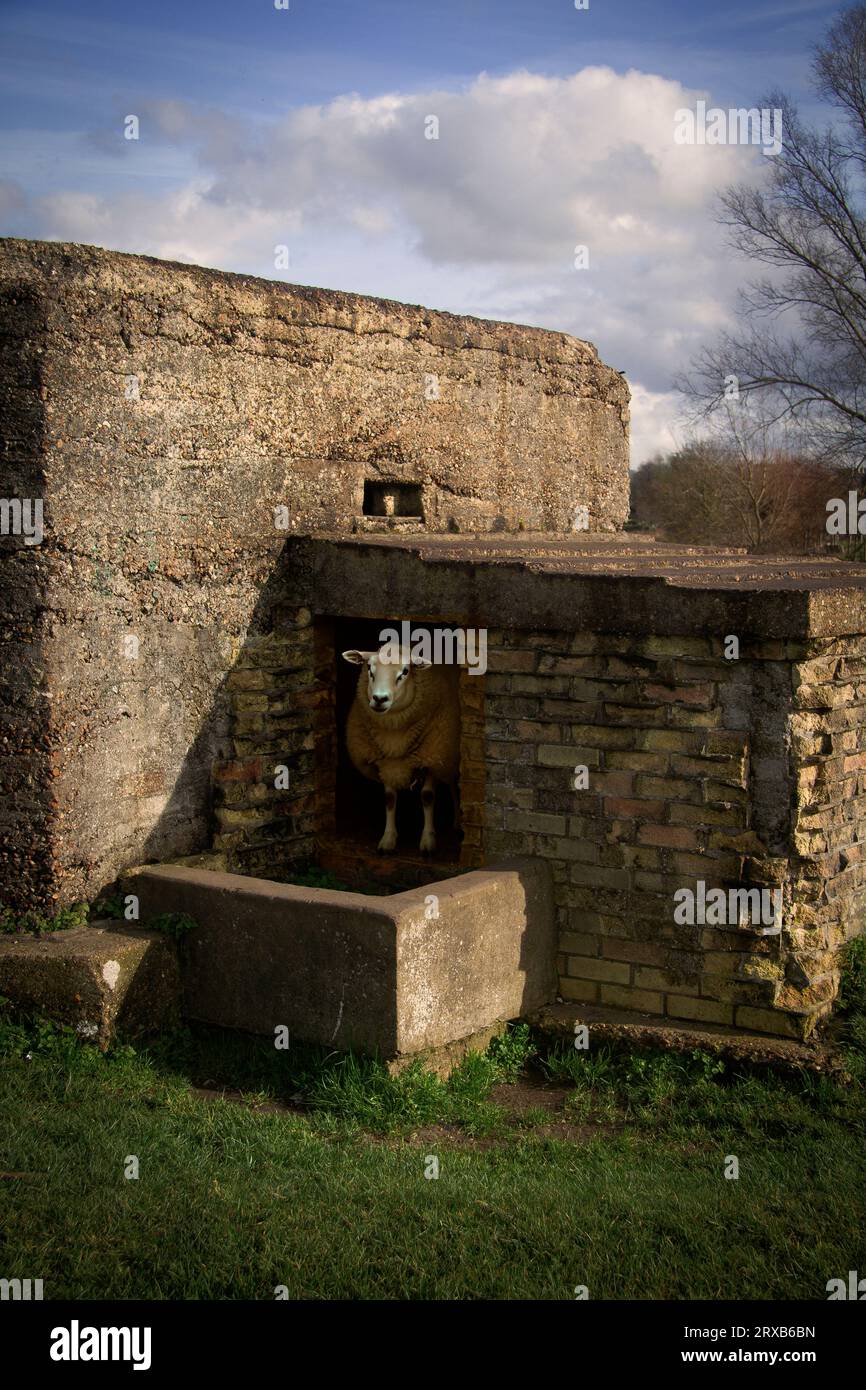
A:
{"x": 178, "y": 424}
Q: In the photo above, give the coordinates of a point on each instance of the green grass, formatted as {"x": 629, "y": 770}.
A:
{"x": 331, "y": 1200}
{"x": 852, "y": 1007}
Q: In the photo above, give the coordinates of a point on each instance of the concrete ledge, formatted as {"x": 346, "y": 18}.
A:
{"x": 573, "y": 586}
{"x": 377, "y": 974}
{"x": 101, "y": 979}
{"x": 606, "y": 1025}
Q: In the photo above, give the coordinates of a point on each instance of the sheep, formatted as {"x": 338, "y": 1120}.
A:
{"x": 403, "y": 730}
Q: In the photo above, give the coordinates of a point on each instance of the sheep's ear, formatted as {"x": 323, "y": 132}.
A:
{"x": 358, "y": 658}
{"x": 420, "y": 662}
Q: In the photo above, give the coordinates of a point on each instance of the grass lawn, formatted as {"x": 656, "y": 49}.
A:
{"x": 598, "y": 1169}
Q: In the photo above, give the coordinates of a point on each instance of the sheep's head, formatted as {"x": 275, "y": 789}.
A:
{"x": 389, "y": 683}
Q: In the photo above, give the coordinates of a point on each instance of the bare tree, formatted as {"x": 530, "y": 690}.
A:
{"x": 801, "y": 343}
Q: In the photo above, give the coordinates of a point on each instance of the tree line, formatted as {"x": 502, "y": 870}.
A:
{"x": 708, "y": 493}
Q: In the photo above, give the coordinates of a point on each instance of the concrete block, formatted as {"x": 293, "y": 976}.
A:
{"x": 102, "y": 979}
{"x": 377, "y": 974}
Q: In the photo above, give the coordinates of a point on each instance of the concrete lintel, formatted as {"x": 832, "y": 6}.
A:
{"x": 638, "y": 593}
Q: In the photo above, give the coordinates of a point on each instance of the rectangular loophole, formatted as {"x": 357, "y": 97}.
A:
{"x": 393, "y": 499}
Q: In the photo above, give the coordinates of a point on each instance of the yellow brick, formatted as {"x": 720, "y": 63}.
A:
{"x": 698, "y": 1010}
{"x": 587, "y": 968}
{"x": 644, "y": 1000}
{"x": 578, "y": 944}
{"x": 724, "y": 963}
{"x": 647, "y": 977}
{"x": 674, "y": 646}
{"x": 579, "y": 989}
{"x": 773, "y": 1021}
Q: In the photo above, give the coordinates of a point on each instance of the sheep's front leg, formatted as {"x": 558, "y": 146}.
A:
{"x": 428, "y": 795}
{"x": 389, "y": 839}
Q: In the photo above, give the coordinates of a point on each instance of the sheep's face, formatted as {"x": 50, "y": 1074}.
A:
{"x": 389, "y": 683}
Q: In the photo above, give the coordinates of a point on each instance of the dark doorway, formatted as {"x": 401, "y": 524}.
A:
{"x": 360, "y": 803}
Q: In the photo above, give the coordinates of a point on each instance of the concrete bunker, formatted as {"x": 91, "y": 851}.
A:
{"x": 175, "y": 631}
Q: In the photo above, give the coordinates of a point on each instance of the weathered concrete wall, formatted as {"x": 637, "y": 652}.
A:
{"x": 102, "y": 979}
{"x": 27, "y": 770}
{"x": 228, "y": 396}
{"x": 163, "y": 413}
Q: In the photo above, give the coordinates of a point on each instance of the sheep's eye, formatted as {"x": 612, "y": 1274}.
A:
{"x": 405, "y": 671}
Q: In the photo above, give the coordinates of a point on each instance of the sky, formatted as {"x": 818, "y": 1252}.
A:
{"x": 295, "y": 143}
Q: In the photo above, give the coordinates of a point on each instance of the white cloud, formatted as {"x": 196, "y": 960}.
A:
{"x": 483, "y": 220}
{"x": 657, "y": 423}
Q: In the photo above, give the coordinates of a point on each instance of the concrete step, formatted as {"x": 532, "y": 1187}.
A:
{"x": 627, "y": 1027}
{"x": 103, "y": 980}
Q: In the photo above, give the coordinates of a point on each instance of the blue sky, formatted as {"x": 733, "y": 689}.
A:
{"x": 304, "y": 127}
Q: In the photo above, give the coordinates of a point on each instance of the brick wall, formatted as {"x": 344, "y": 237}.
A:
{"x": 691, "y": 768}
{"x": 274, "y": 701}
{"x": 828, "y": 741}
{"x": 472, "y": 769}
{"x": 744, "y": 773}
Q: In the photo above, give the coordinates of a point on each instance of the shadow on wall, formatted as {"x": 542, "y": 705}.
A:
{"x": 286, "y": 695}
{"x": 278, "y": 707}
{"x": 29, "y": 750}
{"x": 268, "y": 768}
{"x": 222, "y": 798}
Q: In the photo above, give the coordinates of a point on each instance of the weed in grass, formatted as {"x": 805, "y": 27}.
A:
{"x": 513, "y": 1051}
{"x": 593, "y": 1106}
{"x": 593, "y": 1075}
{"x": 361, "y": 1089}
{"x": 464, "y": 1099}
{"x": 532, "y": 1117}
{"x": 23, "y": 1035}
{"x": 585, "y": 1069}
{"x": 472, "y": 1079}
